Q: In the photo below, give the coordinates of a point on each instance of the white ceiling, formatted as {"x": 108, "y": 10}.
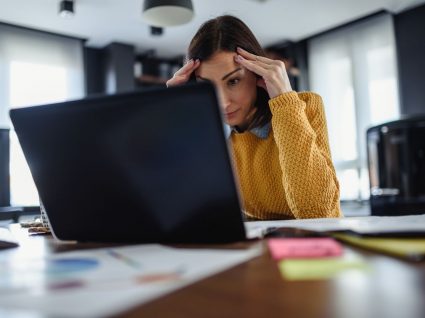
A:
{"x": 105, "y": 21}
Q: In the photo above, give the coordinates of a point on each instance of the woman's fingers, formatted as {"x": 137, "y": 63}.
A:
{"x": 178, "y": 80}
{"x": 253, "y": 57}
{"x": 183, "y": 74}
{"x": 273, "y": 72}
{"x": 187, "y": 67}
{"x": 254, "y": 66}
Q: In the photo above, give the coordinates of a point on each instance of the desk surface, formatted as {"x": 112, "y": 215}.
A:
{"x": 392, "y": 288}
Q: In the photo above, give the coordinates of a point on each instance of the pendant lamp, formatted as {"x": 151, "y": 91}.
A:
{"x": 165, "y": 13}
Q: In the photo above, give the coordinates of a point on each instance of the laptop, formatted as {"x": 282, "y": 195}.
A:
{"x": 148, "y": 166}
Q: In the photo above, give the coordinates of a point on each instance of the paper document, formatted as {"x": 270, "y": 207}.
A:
{"x": 104, "y": 282}
{"x": 361, "y": 225}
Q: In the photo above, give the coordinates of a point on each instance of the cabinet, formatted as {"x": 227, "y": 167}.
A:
{"x": 150, "y": 70}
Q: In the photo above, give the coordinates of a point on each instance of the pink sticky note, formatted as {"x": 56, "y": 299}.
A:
{"x": 304, "y": 247}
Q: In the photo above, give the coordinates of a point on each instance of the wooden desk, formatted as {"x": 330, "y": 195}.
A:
{"x": 392, "y": 288}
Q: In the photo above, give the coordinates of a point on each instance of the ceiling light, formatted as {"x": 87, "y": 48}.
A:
{"x": 165, "y": 13}
{"x": 66, "y": 8}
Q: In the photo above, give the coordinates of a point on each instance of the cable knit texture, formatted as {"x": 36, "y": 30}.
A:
{"x": 290, "y": 173}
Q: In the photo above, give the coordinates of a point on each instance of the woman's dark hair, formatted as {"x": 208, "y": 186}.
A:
{"x": 226, "y": 33}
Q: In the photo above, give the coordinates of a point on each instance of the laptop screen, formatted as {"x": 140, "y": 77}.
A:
{"x": 146, "y": 166}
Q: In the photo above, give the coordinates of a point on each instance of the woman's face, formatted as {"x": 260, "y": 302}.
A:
{"x": 236, "y": 87}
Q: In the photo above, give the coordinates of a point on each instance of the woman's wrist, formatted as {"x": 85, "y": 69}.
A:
{"x": 287, "y": 96}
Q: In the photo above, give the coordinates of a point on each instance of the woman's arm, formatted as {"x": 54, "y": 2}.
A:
{"x": 300, "y": 132}
{"x": 309, "y": 179}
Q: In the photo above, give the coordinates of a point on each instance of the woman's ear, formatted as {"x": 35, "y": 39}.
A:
{"x": 261, "y": 83}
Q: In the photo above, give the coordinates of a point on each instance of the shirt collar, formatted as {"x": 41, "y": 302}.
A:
{"x": 261, "y": 132}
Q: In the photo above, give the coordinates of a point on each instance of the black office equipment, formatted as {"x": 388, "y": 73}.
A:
{"x": 396, "y": 160}
{"x": 4, "y": 167}
{"x": 149, "y": 166}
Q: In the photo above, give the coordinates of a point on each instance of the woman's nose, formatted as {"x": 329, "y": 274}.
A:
{"x": 223, "y": 98}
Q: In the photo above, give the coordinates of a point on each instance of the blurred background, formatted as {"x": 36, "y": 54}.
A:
{"x": 364, "y": 57}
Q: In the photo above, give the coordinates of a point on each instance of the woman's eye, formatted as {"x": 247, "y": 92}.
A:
{"x": 233, "y": 82}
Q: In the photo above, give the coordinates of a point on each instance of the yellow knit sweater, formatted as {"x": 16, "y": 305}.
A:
{"x": 290, "y": 174}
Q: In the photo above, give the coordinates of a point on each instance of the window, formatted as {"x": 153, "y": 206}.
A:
{"x": 354, "y": 70}
{"x": 35, "y": 68}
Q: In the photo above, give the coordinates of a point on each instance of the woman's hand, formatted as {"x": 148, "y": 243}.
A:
{"x": 183, "y": 74}
{"x": 274, "y": 78}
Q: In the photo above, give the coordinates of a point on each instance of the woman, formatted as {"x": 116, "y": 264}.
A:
{"x": 279, "y": 137}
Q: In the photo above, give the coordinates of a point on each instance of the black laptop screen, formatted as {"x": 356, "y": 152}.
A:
{"x": 152, "y": 165}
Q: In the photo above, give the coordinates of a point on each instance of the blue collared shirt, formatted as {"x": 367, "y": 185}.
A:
{"x": 261, "y": 132}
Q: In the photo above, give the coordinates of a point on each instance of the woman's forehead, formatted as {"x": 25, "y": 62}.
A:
{"x": 219, "y": 64}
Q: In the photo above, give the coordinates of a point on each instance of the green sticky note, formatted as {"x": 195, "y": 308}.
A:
{"x": 313, "y": 269}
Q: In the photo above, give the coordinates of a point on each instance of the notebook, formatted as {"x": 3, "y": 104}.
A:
{"x": 148, "y": 166}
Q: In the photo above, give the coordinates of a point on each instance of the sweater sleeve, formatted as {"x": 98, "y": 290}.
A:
{"x": 309, "y": 179}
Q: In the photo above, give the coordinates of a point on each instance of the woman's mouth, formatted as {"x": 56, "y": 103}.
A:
{"x": 231, "y": 114}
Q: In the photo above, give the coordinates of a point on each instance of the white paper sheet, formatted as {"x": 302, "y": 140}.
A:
{"x": 104, "y": 282}
{"x": 362, "y": 225}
